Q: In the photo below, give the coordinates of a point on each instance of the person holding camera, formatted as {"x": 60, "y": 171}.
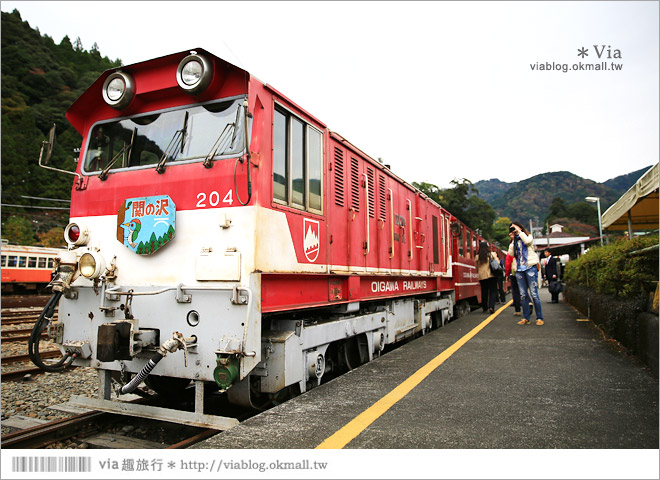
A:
{"x": 527, "y": 271}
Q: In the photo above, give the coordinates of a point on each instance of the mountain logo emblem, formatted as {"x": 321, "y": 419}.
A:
{"x": 311, "y": 229}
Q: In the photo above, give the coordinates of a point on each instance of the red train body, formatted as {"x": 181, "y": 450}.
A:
{"x": 279, "y": 229}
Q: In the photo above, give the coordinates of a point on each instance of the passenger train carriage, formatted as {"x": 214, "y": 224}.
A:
{"x": 26, "y": 268}
{"x": 211, "y": 214}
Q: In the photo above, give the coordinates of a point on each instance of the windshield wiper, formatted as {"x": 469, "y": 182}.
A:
{"x": 124, "y": 153}
{"x": 228, "y": 133}
{"x": 178, "y": 139}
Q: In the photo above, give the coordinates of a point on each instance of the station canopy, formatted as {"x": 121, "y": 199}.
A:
{"x": 637, "y": 209}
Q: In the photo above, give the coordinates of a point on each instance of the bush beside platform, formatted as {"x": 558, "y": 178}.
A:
{"x": 616, "y": 286}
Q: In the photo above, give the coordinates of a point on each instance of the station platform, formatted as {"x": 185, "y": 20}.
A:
{"x": 480, "y": 382}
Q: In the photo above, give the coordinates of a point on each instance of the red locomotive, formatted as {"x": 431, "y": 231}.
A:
{"x": 212, "y": 214}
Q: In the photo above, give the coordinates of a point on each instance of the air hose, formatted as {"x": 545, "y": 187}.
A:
{"x": 172, "y": 345}
{"x": 39, "y": 326}
{"x": 142, "y": 374}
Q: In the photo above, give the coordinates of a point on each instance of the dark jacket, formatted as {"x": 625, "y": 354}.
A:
{"x": 551, "y": 272}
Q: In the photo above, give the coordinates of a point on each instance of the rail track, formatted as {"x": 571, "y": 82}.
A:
{"x": 91, "y": 428}
{"x": 22, "y": 312}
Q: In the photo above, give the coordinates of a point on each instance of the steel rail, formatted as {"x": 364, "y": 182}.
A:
{"x": 194, "y": 439}
{"x": 41, "y": 435}
{"x": 9, "y": 359}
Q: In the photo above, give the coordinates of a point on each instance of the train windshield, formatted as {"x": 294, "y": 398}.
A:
{"x": 209, "y": 131}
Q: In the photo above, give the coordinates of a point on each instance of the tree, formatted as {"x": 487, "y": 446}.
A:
{"x": 52, "y": 238}
{"x": 430, "y": 190}
{"x": 18, "y": 230}
{"x": 557, "y": 207}
{"x": 462, "y": 202}
{"x": 40, "y": 81}
{"x": 501, "y": 231}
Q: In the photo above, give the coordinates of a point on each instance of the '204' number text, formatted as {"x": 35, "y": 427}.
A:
{"x": 213, "y": 199}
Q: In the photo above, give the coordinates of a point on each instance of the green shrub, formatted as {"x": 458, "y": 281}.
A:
{"x": 612, "y": 270}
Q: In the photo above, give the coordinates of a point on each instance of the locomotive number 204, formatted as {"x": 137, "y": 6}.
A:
{"x": 213, "y": 199}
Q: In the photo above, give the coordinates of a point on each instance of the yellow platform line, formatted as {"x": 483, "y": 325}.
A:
{"x": 352, "y": 429}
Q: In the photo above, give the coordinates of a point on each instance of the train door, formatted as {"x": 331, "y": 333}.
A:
{"x": 371, "y": 221}
{"x": 359, "y": 241}
{"x": 383, "y": 237}
{"x": 338, "y": 208}
{"x": 419, "y": 247}
{"x": 438, "y": 243}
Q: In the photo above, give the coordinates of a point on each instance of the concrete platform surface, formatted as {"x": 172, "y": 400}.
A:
{"x": 556, "y": 386}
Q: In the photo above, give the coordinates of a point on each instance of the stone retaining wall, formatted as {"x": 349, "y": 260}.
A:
{"x": 629, "y": 321}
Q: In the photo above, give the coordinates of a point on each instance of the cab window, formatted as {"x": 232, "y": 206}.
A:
{"x": 297, "y": 162}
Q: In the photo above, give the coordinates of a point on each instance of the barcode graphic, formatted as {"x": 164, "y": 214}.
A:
{"x": 51, "y": 464}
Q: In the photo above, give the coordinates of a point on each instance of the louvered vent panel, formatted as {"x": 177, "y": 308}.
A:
{"x": 339, "y": 177}
{"x": 355, "y": 184}
{"x": 372, "y": 193}
{"x": 382, "y": 199}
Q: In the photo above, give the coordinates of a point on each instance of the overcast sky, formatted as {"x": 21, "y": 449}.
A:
{"x": 437, "y": 90}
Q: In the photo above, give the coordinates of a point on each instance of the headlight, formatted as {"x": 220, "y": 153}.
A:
{"x": 118, "y": 90}
{"x": 194, "y": 73}
{"x": 76, "y": 234}
{"x": 91, "y": 265}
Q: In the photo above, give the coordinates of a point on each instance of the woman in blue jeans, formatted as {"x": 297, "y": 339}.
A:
{"x": 527, "y": 271}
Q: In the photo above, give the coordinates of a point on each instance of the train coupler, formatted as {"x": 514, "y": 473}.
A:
{"x": 123, "y": 340}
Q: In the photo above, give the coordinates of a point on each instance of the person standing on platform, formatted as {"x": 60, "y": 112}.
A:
{"x": 510, "y": 272}
{"x": 552, "y": 275}
{"x": 527, "y": 271}
{"x": 486, "y": 277}
{"x": 501, "y": 294}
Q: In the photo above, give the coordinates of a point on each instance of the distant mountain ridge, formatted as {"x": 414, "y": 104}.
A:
{"x": 531, "y": 198}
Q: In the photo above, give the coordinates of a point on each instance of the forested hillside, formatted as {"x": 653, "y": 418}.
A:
{"x": 40, "y": 80}
{"x": 533, "y": 197}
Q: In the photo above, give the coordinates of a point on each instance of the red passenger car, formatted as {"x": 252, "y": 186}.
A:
{"x": 26, "y": 268}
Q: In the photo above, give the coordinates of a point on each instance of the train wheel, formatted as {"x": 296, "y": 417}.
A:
{"x": 355, "y": 351}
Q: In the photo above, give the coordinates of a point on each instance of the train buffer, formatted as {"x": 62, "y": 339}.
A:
{"x": 505, "y": 386}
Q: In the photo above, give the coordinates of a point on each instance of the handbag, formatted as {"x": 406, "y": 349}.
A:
{"x": 495, "y": 267}
{"x": 555, "y": 287}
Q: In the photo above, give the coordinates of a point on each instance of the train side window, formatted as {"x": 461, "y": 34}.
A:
{"x": 315, "y": 163}
{"x": 22, "y": 261}
{"x": 32, "y": 262}
{"x": 297, "y": 162}
{"x": 42, "y": 262}
{"x": 3, "y": 261}
{"x": 280, "y": 170}
{"x": 12, "y": 260}
{"x": 51, "y": 263}
{"x": 461, "y": 243}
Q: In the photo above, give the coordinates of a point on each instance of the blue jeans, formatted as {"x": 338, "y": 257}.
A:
{"x": 529, "y": 280}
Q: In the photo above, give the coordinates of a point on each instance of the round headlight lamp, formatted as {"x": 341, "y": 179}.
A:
{"x": 194, "y": 73}
{"x": 76, "y": 234}
{"x": 91, "y": 265}
{"x": 118, "y": 90}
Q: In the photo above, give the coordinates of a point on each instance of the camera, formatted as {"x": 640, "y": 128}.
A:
{"x": 512, "y": 229}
